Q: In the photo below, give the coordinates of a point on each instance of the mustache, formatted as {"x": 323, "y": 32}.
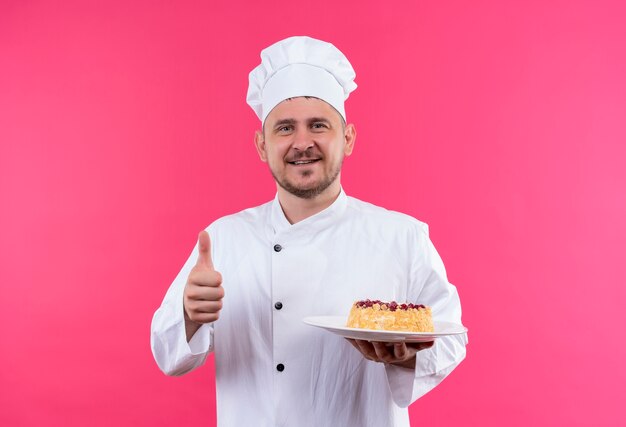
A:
{"x": 308, "y": 154}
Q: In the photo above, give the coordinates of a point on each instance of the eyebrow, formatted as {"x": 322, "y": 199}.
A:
{"x": 309, "y": 121}
{"x": 318, "y": 119}
{"x": 284, "y": 122}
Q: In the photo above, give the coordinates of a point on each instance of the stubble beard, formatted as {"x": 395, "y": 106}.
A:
{"x": 309, "y": 193}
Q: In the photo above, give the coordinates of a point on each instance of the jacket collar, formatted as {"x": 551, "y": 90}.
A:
{"x": 309, "y": 226}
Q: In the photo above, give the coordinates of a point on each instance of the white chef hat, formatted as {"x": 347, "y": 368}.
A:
{"x": 300, "y": 66}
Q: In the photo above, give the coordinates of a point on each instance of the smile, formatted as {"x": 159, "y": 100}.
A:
{"x": 303, "y": 162}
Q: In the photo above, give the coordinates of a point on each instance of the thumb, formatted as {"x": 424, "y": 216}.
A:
{"x": 204, "y": 250}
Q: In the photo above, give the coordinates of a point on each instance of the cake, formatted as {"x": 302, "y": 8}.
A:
{"x": 390, "y": 316}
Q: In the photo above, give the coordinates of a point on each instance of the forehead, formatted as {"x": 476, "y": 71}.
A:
{"x": 301, "y": 108}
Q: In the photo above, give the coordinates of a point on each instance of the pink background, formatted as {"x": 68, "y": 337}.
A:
{"x": 124, "y": 131}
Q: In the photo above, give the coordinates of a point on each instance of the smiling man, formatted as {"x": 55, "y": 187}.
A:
{"x": 304, "y": 141}
{"x": 311, "y": 251}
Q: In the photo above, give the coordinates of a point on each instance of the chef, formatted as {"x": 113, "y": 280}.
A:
{"x": 311, "y": 251}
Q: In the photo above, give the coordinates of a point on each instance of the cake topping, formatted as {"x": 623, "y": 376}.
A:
{"x": 391, "y": 306}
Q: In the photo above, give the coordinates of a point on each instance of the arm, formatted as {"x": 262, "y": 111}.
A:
{"x": 182, "y": 328}
{"x": 429, "y": 285}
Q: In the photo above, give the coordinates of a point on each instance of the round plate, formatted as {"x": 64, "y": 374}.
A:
{"x": 337, "y": 325}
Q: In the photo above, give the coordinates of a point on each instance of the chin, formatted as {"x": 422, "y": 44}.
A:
{"x": 304, "y": 183}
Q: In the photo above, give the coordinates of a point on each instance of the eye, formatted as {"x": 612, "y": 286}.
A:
{"x": 285, "y": 128}
{"x": 319, "y": 125}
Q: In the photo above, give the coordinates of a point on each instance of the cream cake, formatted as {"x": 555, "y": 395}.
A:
{"x": 390, "y": 316}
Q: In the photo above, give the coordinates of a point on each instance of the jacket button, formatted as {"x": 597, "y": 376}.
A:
{"x": 278, "y": 305}
{"x": 280, "y": 367}
{"x": 278, "y": 248}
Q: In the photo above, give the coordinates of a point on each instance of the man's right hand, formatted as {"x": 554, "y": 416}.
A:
{"x": 202, "y": 299}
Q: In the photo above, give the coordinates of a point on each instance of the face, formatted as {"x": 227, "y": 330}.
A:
{"x": 304, "y": 142}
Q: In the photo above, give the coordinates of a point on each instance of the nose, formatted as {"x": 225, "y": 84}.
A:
{"x": 302, "y": 140}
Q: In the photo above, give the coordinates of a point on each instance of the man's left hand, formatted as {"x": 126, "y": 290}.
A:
{"x": 399, "y": 353}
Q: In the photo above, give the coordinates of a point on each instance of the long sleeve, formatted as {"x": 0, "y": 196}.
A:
{"x": 168, "y": 341}
{"x": 429, "y": 286}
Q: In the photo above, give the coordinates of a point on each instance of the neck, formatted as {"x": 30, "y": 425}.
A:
{"x": 297, "y": 209}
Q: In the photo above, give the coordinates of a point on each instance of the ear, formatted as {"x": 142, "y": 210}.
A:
{"x": 259, "y": 143}
{"x": 349, "y": 138}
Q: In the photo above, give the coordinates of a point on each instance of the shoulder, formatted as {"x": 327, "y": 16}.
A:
{"x": 246, "y": 218}
{"x": 371, "y": 214}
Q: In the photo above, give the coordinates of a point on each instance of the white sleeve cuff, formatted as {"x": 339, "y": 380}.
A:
{"x": 172, "y": 352}
{"x": 200, "y": 343}
{"x": 432, "y": 365}
{"x": 402, "y": 380}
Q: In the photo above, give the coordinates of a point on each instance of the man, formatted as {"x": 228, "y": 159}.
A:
{"x": 311, "y": 251}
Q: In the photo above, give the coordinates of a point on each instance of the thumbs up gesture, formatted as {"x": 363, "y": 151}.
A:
{"x": 203, "y": 294}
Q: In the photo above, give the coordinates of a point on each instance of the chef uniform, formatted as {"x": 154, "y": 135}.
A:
{"x": 272, "y": 369}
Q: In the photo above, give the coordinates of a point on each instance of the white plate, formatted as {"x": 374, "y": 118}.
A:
{"x": 337, "y": 325}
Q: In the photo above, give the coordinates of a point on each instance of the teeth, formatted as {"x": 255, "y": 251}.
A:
{"x": 303, "y": 162}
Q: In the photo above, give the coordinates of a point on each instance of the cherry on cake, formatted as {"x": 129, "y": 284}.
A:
{"x": 390, "y": 316}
